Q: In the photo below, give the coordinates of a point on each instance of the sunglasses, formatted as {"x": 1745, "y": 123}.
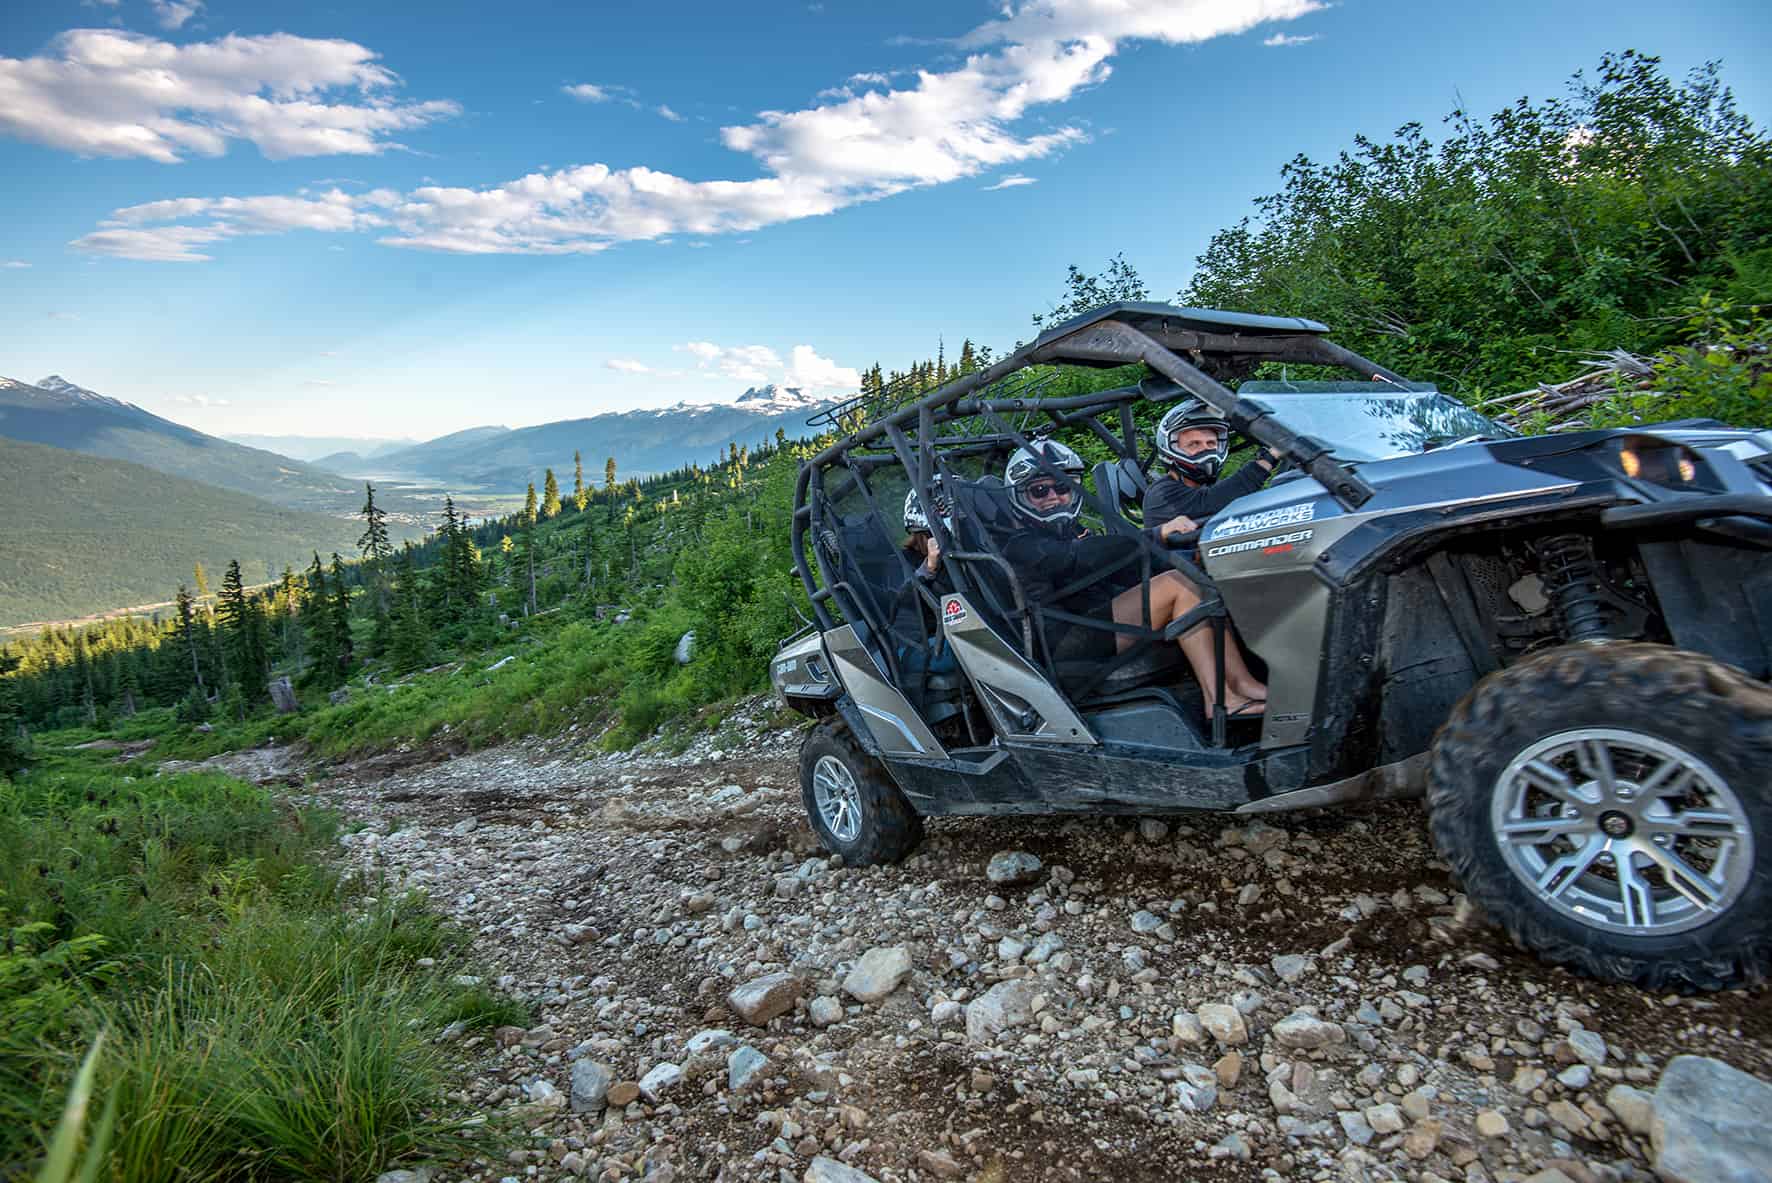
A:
{"x": 1041, "y": 490}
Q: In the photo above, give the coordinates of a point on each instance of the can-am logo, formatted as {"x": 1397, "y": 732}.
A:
{"x": 1273, "y": 544}
{"x": 1271, "y": 519}
{"x": 953, "y": 612}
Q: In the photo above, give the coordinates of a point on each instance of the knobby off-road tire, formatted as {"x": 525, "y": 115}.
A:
{"x": 854, "y": 807}
{"x": 1559, "y": 786}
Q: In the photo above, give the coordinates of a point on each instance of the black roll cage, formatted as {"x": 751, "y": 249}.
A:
{"x": 1191, "y": 351}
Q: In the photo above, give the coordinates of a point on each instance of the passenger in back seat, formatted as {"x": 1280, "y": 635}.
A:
{"x": 1048, "y": 554}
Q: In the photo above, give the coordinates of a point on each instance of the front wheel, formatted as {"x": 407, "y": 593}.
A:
{"x": 1609, "y": 806}
{"x": 854, "y": 807}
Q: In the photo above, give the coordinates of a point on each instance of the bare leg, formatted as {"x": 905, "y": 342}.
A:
{"x": 1172, "y": 597}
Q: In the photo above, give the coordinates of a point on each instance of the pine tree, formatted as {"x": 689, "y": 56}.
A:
{"x": 187, "y": 636}
{"x": 580, "y": 495}
{"x": 202, "y": 582}
{"x": 550, "y": 496}
{"x": 609, "y": 486}
{"x": 341, "y": 617}
{"x": 409, "y": 644}
{"x": 376, "y": 551}
{"x": 242, "y": 620}
{"x": 528, "y": 545}
{"x": 322, "y": 636}
{"x": 12, "y": 744}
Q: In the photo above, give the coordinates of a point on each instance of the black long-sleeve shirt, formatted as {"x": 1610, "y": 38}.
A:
{"x": 1169, "y": 497}
{"x": 1045, "y": 561}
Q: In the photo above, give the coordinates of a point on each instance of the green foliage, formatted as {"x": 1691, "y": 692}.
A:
{"x": 1565, "y": 226}
{"x": 85, "y": 534}
{"x": 1082, "y": 292}
{"x": 257, "y": 1010}
{"x": 1723, "y": 372}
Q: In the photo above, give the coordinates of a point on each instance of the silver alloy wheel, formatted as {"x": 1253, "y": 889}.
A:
{"x": 1622, "y": 831}
{"x": 837, "y": 798}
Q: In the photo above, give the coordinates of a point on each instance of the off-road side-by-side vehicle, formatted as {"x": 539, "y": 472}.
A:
{"x": 1565, "y": 640}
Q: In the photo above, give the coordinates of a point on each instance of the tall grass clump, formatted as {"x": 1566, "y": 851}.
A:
{"x": 262, "y": 1017}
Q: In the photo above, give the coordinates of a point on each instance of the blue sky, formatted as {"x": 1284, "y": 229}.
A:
{"x": 392, "y": 219}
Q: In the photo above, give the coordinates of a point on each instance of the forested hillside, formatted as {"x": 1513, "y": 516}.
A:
{"x": 86, "y": 534}
{"x": 63, "y": 415}
{"x": 1634, "y": 214}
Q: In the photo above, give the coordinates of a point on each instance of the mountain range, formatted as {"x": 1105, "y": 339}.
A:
{"x": 60, "y": 414}
{"x": 641, "y": 442}
{"x": 87, "y": 534}
{"x": 313, "y": 449}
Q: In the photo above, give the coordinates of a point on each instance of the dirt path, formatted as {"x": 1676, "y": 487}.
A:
{"x": 624, "y": 898}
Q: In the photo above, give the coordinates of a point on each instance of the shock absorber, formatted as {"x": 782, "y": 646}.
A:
{"x": 1573, "y": 584}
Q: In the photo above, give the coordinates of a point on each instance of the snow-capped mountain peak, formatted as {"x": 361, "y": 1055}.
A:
{"x": 56, "y": 384}
{"x": 777, "y": 398}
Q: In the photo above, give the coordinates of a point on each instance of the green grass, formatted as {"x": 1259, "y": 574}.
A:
{"x": 265, "y": 1018}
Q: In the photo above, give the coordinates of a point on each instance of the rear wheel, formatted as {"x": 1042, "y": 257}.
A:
{"x": 854, "y": 807}
{"x": 1609, "y": 806}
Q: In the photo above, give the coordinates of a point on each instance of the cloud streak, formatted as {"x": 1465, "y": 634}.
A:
{"x": 944, "y": 126}
{"x": 105, "y": 92}
{"x": 1012, "y": 181}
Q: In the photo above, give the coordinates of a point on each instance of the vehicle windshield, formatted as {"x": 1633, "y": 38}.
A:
{"x": 1363, "y": 421}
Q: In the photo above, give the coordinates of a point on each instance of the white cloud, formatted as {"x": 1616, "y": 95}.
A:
{"x": 669, "y": 114}
{"x": 1012, "y": 181}
{"x": 102, "y": 92}
{"x": 741, "y": 363}
{"x": 945, "y": 126}
{"x": 623, "y": 365}
{"x": 1280, "y": 40}
{"x": 809, "y": 371}
{"x": 14, "y": 263}
{"x": 588, "y": 92}
{"x": 173, "y": 14}
{"x": 200, "y": 400}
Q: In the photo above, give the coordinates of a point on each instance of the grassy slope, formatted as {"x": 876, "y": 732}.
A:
{"x": 84, "y": 534}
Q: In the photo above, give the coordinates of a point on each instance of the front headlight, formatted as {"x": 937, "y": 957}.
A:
{"x": 1659, "y": 462}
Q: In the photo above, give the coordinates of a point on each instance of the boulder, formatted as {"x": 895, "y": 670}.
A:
{"x": 590, "y": 1086}
{"x": 1005, "y": 1005}
{"x": 878, "y": 973}
{"x": 1301, "y": 1030}
{"x": 761, "y": 999}
{"x": 1225, "y": 1023}
{"x": 1709, "y": 1123}
{"x": 283, "y": 696}
{"x": 743, "y": 1067}
{"x": 1012, "y": 866}
{"x": 829, "y": 1170}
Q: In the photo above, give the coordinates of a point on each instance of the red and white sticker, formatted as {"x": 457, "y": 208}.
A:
{"x": 953, "y": 612}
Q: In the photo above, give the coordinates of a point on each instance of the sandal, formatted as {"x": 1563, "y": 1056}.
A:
{"x": 1245, "y": 711}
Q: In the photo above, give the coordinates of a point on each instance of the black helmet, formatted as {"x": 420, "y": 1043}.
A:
{"x": 1201, "y": 467}
{"x": 1025, "y": 472}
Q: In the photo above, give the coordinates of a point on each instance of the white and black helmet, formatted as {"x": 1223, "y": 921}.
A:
{"x": 916, "y": 521}
{"x": 1200, "y": 467}
{"x": 1025, "y": 475}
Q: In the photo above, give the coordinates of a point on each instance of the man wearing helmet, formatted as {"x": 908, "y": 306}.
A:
{"x": 1193, "y": 441}
{"x": 1051, "y": 552}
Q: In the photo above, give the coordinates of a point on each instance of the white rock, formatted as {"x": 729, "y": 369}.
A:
{"x": 708, "y": 1040}
{"x": 1012, "y": 866}
{"x": 1710, "y": 1123}
{"x": 1632, "y": 1108}
{"x": 761, "y": 999}
{"x": 878, "y": 973}
{"x": 829, "y": 1170}
{"x": 660, "y": 1080}
{"x": 1005, "y": 1005}
{"x": 743, "y": 1066}
{"x": 590, "y": 1085}
{"x": 1224, "y": 1022}
{"x": 1304, "y": 1031}
{"x": 824, "y": 1010}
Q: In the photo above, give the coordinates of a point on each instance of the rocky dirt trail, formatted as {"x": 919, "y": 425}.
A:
{"x": 1215, "y": 999}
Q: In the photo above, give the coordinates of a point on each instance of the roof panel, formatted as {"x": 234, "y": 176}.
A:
{"x": 1210, "y": 320}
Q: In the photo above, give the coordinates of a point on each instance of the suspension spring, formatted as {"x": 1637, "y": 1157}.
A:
{"x": 1573, "y": 583}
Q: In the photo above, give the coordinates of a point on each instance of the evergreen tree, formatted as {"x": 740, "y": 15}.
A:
{"x": 322, "y": 636}
{"x": 580, "y": 494}
{"x": 376, "y": 551}
{"x": 609, "y": 486}
{"x": 528, "y": 547}
{"x": 187, "y": 637}
{"x": 550, "y": 496}
{"x": 410, "y": 638}
{"x": 12, "y": 743}
{"x": 202, "y": 582}
{"x": 341, "y": 617}
{"x": 243, "y": 625}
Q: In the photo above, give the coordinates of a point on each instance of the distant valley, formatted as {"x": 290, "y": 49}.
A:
{"x": 110, "y": 505}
